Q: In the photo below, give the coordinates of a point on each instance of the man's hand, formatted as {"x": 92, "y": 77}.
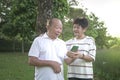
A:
{"x": 56, "y": 66}
{"x": 34, "y": 61}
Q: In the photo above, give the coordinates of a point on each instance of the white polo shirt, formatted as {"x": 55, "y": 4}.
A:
{"x": 47, "y": 49}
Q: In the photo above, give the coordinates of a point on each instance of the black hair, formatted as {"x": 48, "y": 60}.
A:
{"x": 83, "y": 22}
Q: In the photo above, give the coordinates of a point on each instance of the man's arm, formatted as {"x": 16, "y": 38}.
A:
{"x": 69, "y": 60}
{"x": 34, "y": 61}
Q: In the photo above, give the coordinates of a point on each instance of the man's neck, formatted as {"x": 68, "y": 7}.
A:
{"x": 51, "y": 36}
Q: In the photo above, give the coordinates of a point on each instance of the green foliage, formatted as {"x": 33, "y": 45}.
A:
{"x": 4, "y": 9}
{"x": 13, "y": 45}
{"x": 67, "y": 31}
{"x": 93, "y": 25}
{"x": 107, "y": 66}
{"x": 73, "y": 13}
{"x": 60, "y": 8}
{"x": 18, "y": 18}
{"x": 21, "y": 18}
{"x": 113, "y": 42}
{"x": 19, "y": 21}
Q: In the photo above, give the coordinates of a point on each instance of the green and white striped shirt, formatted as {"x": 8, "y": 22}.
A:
{"x": 80, "y": 68}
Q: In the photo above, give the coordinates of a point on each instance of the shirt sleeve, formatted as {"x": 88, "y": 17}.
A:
{"x": 34, "y": 49}
{"x": 92, "y": 50}
{"x": 68, "y": 45}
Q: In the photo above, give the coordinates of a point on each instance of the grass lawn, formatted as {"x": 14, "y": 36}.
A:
{"x": 14, "y": 66}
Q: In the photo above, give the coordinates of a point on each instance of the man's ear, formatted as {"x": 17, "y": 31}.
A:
{"x": 47, "y": 24}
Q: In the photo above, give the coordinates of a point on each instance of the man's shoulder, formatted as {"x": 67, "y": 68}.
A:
{"x": 60, "y": 40}
{"x": 69, "y": 40}
{"x": 38, "y": 38}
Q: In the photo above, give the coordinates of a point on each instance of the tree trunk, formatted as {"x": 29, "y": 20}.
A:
{"x": 44, "y": 13}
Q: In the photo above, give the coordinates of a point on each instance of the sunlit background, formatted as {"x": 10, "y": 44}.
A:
{"x": 107, "y": 11}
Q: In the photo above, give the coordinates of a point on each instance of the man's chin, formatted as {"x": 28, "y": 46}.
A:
{"x": 57, "y": 35}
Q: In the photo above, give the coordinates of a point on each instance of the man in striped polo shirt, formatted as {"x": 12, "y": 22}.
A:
{"x": 81, "y": 68}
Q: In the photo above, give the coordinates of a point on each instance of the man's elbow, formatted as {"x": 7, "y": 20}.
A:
{"x": 30, "y": 61}
{"x": 68, "y": 63}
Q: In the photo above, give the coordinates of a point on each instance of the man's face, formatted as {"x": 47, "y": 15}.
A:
{"x": 55, "y": 29}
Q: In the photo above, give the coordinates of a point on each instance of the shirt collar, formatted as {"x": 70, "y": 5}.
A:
{"x": 47, "y": 37}
{"x": 79, "y": 39}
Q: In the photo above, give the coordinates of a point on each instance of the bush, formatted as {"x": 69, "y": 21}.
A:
{"x": 13, "y": 46}
{"x": 106, "y": 66}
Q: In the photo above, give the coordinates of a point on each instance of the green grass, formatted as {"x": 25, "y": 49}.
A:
{"x": 14, "y": 66}
{"x": 107, "y": 64}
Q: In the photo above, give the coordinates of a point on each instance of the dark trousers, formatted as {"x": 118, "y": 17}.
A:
{"x": 78, "y": 79}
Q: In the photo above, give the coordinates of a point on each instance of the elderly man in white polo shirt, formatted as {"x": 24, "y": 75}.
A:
{"x": 48, "y": 52}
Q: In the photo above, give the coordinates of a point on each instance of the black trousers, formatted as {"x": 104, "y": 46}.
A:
{"x": 78, "y": 79}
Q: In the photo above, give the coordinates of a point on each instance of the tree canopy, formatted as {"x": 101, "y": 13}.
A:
{"x": 23, "y": 19}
